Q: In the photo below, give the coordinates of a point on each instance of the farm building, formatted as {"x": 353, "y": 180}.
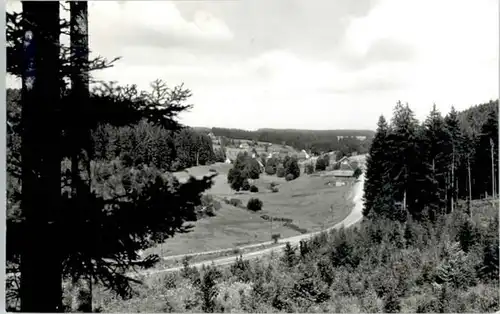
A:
{"x": 302, "y": 155}
{"x": 345, "y": 168}
{"x": 244, "y": 146}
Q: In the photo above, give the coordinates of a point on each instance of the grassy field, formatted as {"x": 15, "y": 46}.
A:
{"x": 309, "y": 201}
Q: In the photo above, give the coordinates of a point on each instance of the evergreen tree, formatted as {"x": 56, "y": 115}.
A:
{"x": 377, "y": 167}
{"x": 41, "y": 156}
{"x": 455, "y": 150}
{"x": 290, "y": 257}
{"x": 436, "y": 143}
{"x": 292, "y": 167}
{"x": 106, "y": 228}
{"x": 407, "y": 173}
{"x": 487, "y": 145}
{"x": 209, "y": 288}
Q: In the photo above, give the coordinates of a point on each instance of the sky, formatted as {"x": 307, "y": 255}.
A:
{"x": 323, "y": 64}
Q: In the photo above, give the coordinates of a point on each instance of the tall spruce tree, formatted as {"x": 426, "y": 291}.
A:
{"x": 405, "y": 156}
{"x": 436, "y": 151}
{"x": 455, "y": 151}
{"x": 486, "y": 156}
{"x": 377, "y": 175}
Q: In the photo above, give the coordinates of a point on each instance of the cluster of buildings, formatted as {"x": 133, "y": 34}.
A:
{"x": 344, "y": 167}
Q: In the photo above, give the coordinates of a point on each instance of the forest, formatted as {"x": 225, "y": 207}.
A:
{"x": 309, "y": 140}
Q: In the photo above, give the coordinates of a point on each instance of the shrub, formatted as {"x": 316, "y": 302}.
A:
{"x": 236, "y": 202}
{"x": 357, "y": 172}
{"x": 275, "y": 237}
{"x": 321, "y": 164}
{"x": 235, "y": 178}
{"x": 309, "y": 168}
{"x": 210, "y": 211}
{"x": 217, "y": 205}
{"x": 280, "y": 173}
{"x": 254, "y": 189}
{"x": 270, "y": 170}
{"x": 254, "y": 204}
{"x": 245, "y": 186}
{"x": 275, "y": 189}
{"x": 289, "y": 177}
{"x": 292, "y": 167}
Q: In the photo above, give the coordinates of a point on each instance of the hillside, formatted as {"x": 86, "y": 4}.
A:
{"x": 473, "y": 118}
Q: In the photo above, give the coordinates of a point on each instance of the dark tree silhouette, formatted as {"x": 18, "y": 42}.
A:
{"x": 41, "y": 259}
{"x": 96, "y": 233}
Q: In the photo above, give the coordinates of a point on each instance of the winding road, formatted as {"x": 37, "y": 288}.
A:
{"x": 354, "y": 217}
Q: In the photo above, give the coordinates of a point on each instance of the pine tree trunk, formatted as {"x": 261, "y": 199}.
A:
{"x": 470, "y": 185}
{"x": 492, "y": 169}
{"x": 447, "y": 192}
{"x": 453, "y": 181}
{"x": 404, "y": 200}
{"x": 41, "y": 262}
{"x": 79, "y": 134}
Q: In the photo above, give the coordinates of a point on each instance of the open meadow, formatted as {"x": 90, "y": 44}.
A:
{"x": 309, "y": 201}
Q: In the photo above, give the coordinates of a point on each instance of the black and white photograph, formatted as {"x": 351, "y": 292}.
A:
{"x": 252, "y": 156}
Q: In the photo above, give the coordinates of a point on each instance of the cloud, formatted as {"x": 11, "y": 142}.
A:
{"x": 301, "y": 64}
{"x": 118, "y": 27}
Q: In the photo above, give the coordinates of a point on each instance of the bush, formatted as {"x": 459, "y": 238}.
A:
{"x": 321, "y": 164}
{"x": 275, "y": 189}
{"x": 245, "y": 186}
{"x": 289, "y": 177}
{"x": 309, "y": 168}
{"x": 254, "y": 189}
{"x": 254, "y": 204}
{"x": 280, "y": 173}
{"x": 275, "y": 237}
{"x": 291, "y": 166}
{"x": 357, "y": 172}
{"x": 236, "y": 202}
{"x": 270, "y": 170}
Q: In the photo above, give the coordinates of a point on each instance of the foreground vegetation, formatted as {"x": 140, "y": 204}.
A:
{"x": 381, "y": 266}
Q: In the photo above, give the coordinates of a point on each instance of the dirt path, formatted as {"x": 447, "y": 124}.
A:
{"x": 355, "y": 216}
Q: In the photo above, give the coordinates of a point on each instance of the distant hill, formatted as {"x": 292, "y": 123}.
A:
{"x": 202, "y": 129}
{"x": 340, "y": 132}
{"x": 473, "y": 118}
{"x": 314, "y": 140}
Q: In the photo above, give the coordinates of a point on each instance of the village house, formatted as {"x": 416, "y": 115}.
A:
{"x": 244, "y": 145}
{"x": 345, "y": 168}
